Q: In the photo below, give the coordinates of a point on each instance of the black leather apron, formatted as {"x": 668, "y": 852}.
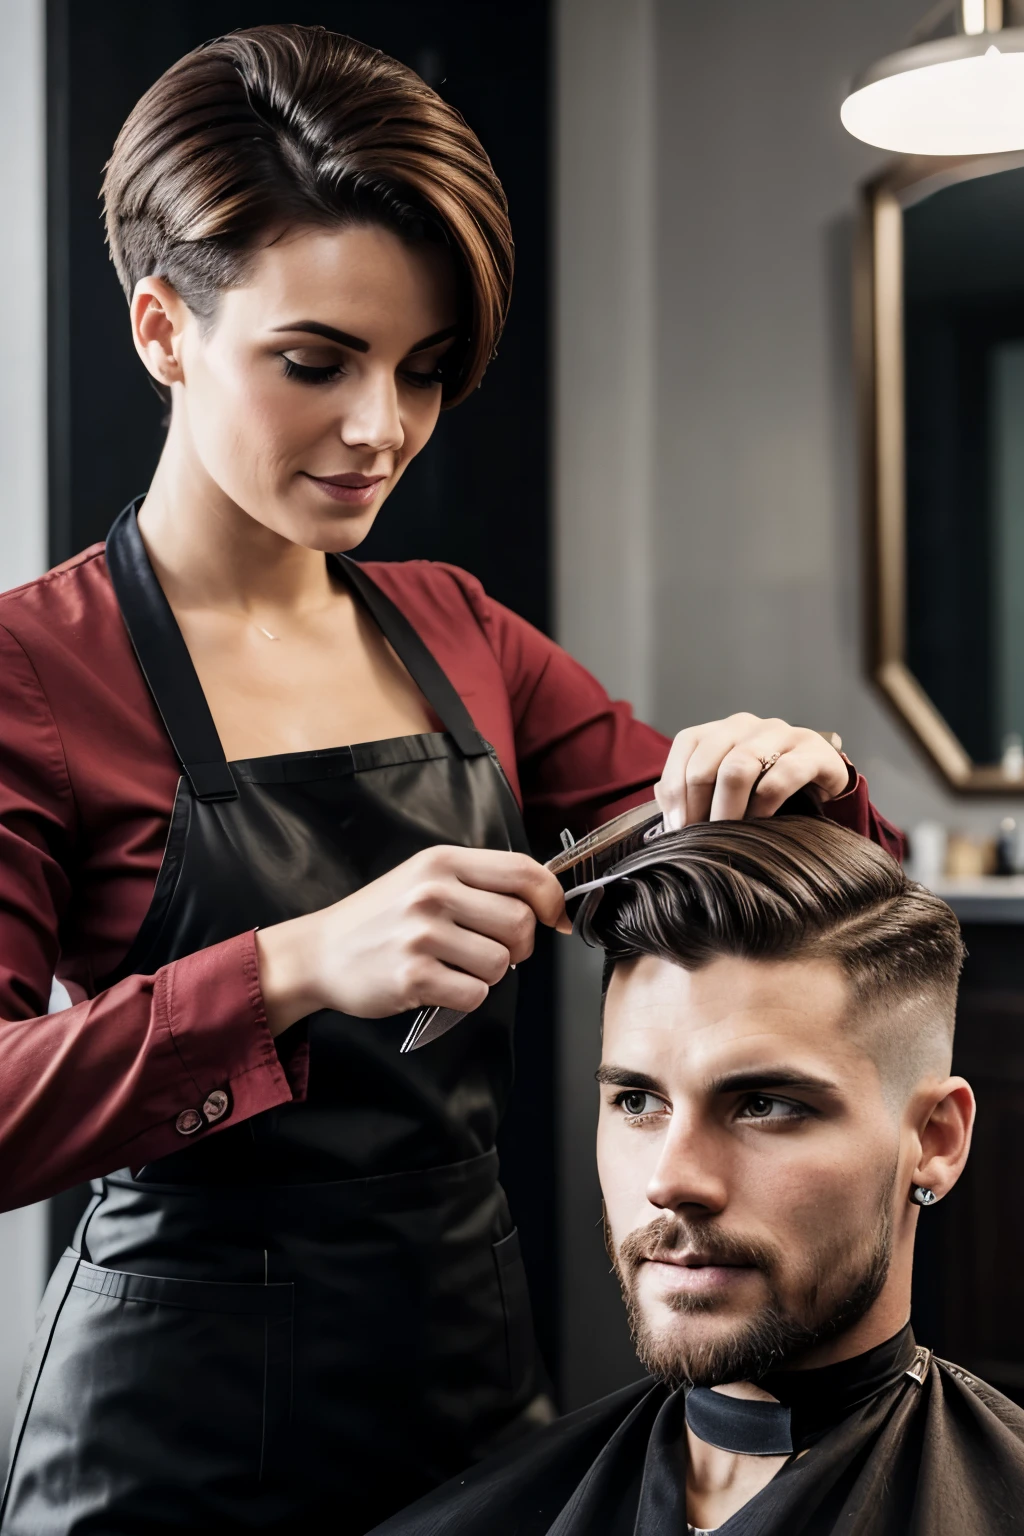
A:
{"x": 305, "y": 1320}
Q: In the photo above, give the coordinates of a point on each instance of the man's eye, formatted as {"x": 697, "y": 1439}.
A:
{"x": 634, "y": 1102}
{"x": 761, "y": 1106}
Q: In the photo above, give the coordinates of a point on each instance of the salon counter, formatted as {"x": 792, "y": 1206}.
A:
{"x": 983, "y": 898}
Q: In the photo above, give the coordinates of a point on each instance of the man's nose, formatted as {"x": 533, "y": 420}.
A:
{"x": 372, "y": 418}
{"x": 688, "y": 1173}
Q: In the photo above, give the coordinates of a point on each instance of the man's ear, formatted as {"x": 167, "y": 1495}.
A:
{"x": 945, "y": 1135}
{"x": 159, "y": 316}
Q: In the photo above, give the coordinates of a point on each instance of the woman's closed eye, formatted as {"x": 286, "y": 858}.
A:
{"x": 315, "y": 365}
{"x": 312, "y": 365}
{"x": 766, "y": 1108}
{"x": 637, "y": 1104}
{"x": 422, "y": 379}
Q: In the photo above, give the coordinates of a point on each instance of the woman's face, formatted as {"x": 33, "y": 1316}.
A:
{"x": 318, "y": 380}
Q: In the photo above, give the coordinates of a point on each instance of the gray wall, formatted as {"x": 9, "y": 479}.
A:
{"x": 733, "y": 246}
{"x": 22, "y": 512}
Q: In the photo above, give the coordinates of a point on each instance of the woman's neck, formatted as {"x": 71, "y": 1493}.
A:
{"x": 209, "y": 553}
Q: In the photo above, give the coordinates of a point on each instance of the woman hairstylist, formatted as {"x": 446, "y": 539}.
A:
{"x": 300, "y": 1302}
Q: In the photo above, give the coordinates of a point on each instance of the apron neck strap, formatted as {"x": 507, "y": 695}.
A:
{"x": 418, "y": 661}
{"x": 171, "y": 677}
{"x": 166, "y": 664}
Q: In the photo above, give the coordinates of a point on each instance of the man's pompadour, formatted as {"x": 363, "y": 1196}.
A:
{"x": 779, "y": 889}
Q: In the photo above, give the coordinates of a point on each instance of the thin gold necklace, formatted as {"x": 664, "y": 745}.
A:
{"x": 252, "y": 623}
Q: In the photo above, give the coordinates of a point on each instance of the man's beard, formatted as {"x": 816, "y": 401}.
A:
{"x": 840, "y": 1289}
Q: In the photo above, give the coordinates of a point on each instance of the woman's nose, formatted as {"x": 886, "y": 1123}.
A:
{"x": 372, "y": 418}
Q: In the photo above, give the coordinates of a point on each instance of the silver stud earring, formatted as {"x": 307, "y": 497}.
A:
{"x": 922, "y": 1196}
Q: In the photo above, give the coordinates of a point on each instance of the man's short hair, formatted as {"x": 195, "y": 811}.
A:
{"x": 784, "y": 888}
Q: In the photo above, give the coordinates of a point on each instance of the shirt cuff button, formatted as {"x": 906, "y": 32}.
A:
{"x": 216, "y": 1105}
{"x": 188, "y": 1122}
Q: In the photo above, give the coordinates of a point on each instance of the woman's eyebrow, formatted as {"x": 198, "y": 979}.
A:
{"x": 328, "y": 332}
{"x": 432, "y": 341}
{"x": 356, "y": 343}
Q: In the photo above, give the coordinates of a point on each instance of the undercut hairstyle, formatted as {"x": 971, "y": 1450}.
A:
{"x": 277, "y": 127}
{"x": 796, "y": 888}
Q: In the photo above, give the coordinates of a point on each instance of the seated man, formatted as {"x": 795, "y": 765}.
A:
{"x": 776, "y": 1110}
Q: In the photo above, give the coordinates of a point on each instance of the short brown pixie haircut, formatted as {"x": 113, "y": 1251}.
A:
{"x": 785, "y": 888}
{"x": 282, "y": 126}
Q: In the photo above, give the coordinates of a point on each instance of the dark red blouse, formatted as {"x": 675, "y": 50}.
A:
{"x": 87, "y": 781}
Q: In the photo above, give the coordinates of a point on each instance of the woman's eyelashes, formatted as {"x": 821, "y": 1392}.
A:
{"x": 307, "y": 373}
{"x": 420, "y": 380}
{"x": 327, "y": 372}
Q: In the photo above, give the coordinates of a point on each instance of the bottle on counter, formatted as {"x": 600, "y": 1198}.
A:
{"x": 927, "y": 859}
{"x": 1010, "y": 847}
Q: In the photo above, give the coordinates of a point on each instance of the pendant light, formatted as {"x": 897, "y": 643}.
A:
{"x": 957, "y": 95}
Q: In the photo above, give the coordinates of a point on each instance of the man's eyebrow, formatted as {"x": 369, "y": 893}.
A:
{"x": 752, "y": 1080}
{"x": 625, "y": 1077}
{"x": 356, "y": 343}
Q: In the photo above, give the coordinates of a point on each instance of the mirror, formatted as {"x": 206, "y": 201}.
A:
{"x": 941, "y": 328}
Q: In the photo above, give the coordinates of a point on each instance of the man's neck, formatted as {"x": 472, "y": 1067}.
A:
{"x": 718, "y": 1482}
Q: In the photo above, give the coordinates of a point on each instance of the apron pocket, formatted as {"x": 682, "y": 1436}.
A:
{"x": 515, "y": 1301}
{"x": 146, "y": 1381}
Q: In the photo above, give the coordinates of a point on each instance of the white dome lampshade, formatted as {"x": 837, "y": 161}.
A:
{"x": 959, "y": 95}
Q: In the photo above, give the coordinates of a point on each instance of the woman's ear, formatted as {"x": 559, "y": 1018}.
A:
{"x": 945, "y": 1136}
{"x": 159, "y": 316}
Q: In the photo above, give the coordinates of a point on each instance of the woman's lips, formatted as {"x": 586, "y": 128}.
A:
{"x": 351, "y": 489}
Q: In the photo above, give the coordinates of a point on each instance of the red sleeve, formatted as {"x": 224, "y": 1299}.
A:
{"x": 584, "y": 757}
{"x": 102, "y": 1084}
{"x": 855, "y": 811}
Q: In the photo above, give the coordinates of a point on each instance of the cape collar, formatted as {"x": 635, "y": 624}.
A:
{"x": 808, "y": 1403}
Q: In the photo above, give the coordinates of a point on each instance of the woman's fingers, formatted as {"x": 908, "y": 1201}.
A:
{"x": 670, "y": 790}
{"x": 809, "y": 764}
{"x": 512, "y": 874}
{"x": 505, "y": 920}
{"x": 734, "y": 783}
{"x": 470, "y": 953}
{"x": 744, "y": 766}
{"x": 436, "y": 985}
{"x": 715, "y": 750}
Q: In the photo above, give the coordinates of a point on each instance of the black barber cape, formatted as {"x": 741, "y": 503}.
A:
{"x": 943, "y": 1456}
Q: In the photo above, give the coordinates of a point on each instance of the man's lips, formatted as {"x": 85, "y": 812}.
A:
{"x": 695, "y": 1271}
{"x": 350, "y": 488}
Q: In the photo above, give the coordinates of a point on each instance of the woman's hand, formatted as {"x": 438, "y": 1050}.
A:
{"x": 712, "y": 770}
{"x": 442, "y": 928}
